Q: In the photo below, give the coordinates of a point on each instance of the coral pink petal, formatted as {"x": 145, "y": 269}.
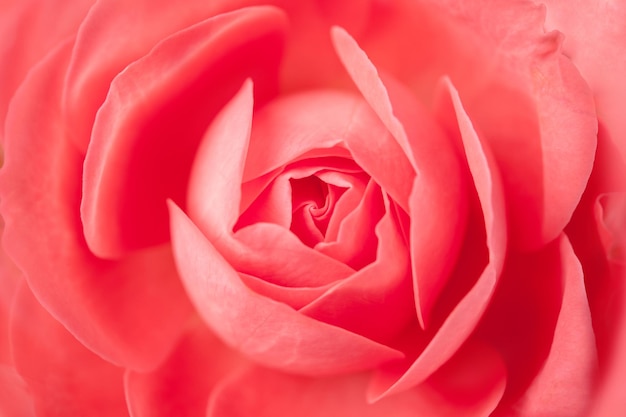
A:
{"x": 292, "y": 126}
{"x": 181, "y": 385}
{"x": 464, "y": 317}
{"x": 595, "y": 40}
{"x": 106, "y": 305}
{"x": 470, "y": 385}
{"x": 436, "y": 203}
{"x": 91, "y": 71}
{"x": 269, "y": 332}
{"x": 277, "y": 255}
{"x": 147, "y": 131}
{"x": 567, "y": 380}
{"x": 30, "y": 29}
{"x": 10, "y": 279}
{"x": 379, "y": 295}
{"x": 63, "y": 377}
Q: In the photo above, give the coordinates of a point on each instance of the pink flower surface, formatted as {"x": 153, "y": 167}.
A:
{"x": 313, "y": 208}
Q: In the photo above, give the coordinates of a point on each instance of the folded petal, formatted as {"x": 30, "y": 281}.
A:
{"x": 109, "y": 306}
{"x": 464, "y": 317}
{"x": 520, "y": 90}
{"x": 567, "y": 381}
{"x": 266, "y": 331}
{"x": 63, "y": 377}
{"x": 155, "y": 115}
{"x": 595, "y": 40}
{"x": 437, "y": 200}
{"x": 28, "y": 31}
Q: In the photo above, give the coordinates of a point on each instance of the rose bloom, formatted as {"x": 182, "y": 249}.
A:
{"x": 313, "y": 208}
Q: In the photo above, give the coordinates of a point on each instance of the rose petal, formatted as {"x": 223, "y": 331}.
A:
{"x": 595, "y": 36}
{"x": 378, "y": 295}
{"x": 289, "y": 127}
{"x": 63, "y": 376}
{"x": 182, "y": 384}
{"x": 214, "y": 200}
{"x": 295, "y": 297}
{"x": 153, "y": 119}
{"x": 436, "y": 202}
{"x": 109, "y": 306}
{"x": 465, "y": 316}
{"x": 567, "y": 380}
{"x": 269, "y": 332}
{"x": 29, "y": 30}
{"x": 125, "y": 37}
{"x": 520, "y": 90}
{"x": 471, "y": 385}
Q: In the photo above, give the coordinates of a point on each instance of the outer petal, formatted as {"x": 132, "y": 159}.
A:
{"x": 595, "y": 40}
{"x": 269, "y": 332}
{"x": 147, "y": 131}
{"x": 63, "y": 376}
{"x": 519, "y": 89}
{"x": 182, "y": 384}
{"x": 28, "y": 31}
{"x": 109, "y": 306}
{"x": 566, "y": 383}
{"x": 470, "y": 385}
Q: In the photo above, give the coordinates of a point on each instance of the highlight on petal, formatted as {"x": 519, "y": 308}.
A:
{"x": 567, "y": 381}
{"x": 147, "y": 131}
{"x": 63, "y": 377}
{"x": 437, "y": 203}
{"x": 111, "y": 307}
{"x": 464, "y": 317}
{"x": 266, "y": 331}
{"x": 594, "y": 40}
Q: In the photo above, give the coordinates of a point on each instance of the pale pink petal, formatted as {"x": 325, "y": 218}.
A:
{"x": 464, "y": 317}
{"x": 147, "y": 131}
{"x": 437, "y": 200}
{"x": 566, "y": 382}
{"x": 29, "y": 30}
{"x": 181, "y": 385}
{"x": 109, "y": 306}
{"x": 268, "y": 332}
{"x": 470, "y": 385}
{"x": 295, "y": 297}
{"x": 289, "y": 127}
{"x": 595, "y": 41}
{"x": 63, "y": 377}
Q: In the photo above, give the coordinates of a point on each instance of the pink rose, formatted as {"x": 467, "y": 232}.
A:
{"x": 313, "y": 208}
